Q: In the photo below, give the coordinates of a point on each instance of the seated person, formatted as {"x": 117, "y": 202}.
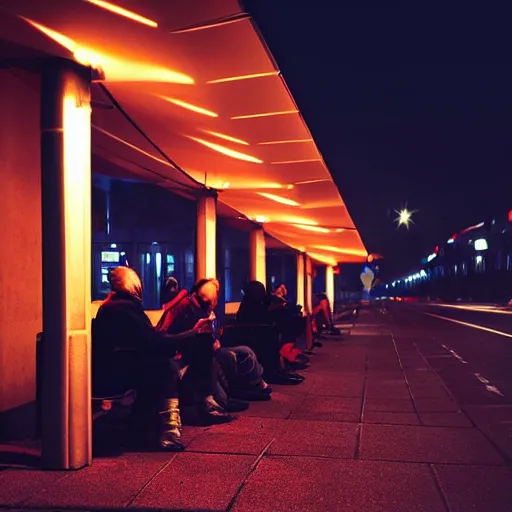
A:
{"x": 290, "y": 317}
{"x": 259, "y": 308}
{"x": 239, "y": 364}
{"x": 170, "y": 290}
{"x": 322, "y": 314}
{"x": 127, "y": 354}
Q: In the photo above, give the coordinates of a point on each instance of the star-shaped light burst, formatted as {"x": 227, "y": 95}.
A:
{"x": 404, "y": 217}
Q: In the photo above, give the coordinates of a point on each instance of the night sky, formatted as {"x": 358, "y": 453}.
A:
{"x": 406, "y": 105}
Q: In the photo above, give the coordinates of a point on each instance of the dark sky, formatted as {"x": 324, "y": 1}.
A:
{"x": 406, "y": 105}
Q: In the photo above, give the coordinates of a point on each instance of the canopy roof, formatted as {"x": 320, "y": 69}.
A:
{"x": 197, "y": 80}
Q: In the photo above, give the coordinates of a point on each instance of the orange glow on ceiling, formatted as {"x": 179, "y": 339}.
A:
{"x": 228, "y": 152}
{"x": 241, "y": 77}
{"x": 188, "y": 106}
{"x": 261, "y": 219}
{"x": 279, "y": 199}
{"x": 316, "y": 229}
{"x": 341, "y": 250}
{"x": 296, "y": 161}
{"x": 322, "y": 258}
{"x": 123, "y": 12}
{"x": 115, "y": 69}
{"x": 309, "y": 182}
{"x": 227, "y": 137}
{"x": 266, "y": 114}
{"x": 293, "y": 141}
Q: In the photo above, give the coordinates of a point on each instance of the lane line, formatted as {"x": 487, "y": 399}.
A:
{"x": 474, "y": 326}
{"x": 454, "y": 354}
{"x": 488, "y": 386}
{"x": 478, "y": 309}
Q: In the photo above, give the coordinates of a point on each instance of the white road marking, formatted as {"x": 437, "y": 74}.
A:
{"x": 454, "y": 354}
{"x": 474, "y": 326}
{"x": 488, "y": 386}
{"x": 484, "y": 309}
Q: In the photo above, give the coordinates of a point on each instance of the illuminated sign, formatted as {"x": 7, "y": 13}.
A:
{"x": 481, "y": 244}
{"x": 430, "y": 257}
{"x": 110, "y": 257}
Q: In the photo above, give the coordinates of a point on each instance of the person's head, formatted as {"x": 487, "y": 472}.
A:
{"x": 254, "y": 291}
{"x": 126, "y": 280}
{"x": 206, "y": 292}
{"x": 281, "y": 291}
{"x": 171, "y": 284}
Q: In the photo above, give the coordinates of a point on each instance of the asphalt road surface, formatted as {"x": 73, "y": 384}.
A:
{"x": 470, "y": 348}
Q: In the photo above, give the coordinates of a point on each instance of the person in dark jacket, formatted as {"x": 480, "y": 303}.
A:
{"x": 128, "y": 353}
{"x": 259, "y": 308}
{"x": 170, "y": 290}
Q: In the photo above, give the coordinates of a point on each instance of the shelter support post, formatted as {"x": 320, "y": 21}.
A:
{"x": 301, "y": 281}
{"x": 308, "y": 299}
{"x": 66, "y": 258}
{"x": 329, "y": 285}
{"x": 206, "y": 236}
{"x": 257, "y": 256}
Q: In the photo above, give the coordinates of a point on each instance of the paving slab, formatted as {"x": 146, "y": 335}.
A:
{"x": 281, "y": 406}
{"x": 324, "y": 408}
{"x": 315, "y": 439}
{"x": 338, "y": 384}
{"x": 445, "y": 419}
{"x": 19, "y": 485}
{"x": 196, "y": 481}
{"x": 311, "y": 484}
{"x": 436, "y": 405}
{"x": 108, "y": 483}
{"x": 391, "y": 418}
{"x": 427, "y": 444}
{"x": 388, "y": 405}
{"x": 476, "y": 488}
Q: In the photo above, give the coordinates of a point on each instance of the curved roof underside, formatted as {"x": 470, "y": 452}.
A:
{"x": 204, "y": 88}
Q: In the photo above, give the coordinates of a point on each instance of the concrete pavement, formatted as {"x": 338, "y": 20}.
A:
{"x": 375, "y": 427}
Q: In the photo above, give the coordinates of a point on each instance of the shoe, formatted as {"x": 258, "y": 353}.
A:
{"x": 213, "y": 414}
{"x": 252, "y": 395}
{"x": 170, "y": 427}
{"x": 234, "y": 405}
{"x": 286, "y": 378}
{"x": 318, "y": 344}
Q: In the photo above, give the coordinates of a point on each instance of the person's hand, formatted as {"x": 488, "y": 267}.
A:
{"x": 202, "y": 323}
{"x": 216, "y": 345}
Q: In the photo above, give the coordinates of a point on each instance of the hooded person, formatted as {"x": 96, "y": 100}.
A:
{"x": 169, "y": 290}
{"x": 128, "y": 353}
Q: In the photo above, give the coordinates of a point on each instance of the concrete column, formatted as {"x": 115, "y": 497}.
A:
{"x": 257, "y": 256}
{"x": 206, "y": 236}
{"x": 329, "y": 285}
{"x": 66, "y": 223}
{"x": 301, "y": 281}
{"x": 308, "y": 300}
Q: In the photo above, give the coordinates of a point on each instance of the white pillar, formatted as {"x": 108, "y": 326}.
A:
{"x": 300, "y": 280}
{"x": 329, "y": 285}
{"x": 66, "y": 223}
{"x": 257, "y": 256}
{"x": 309, "y": 284}
{"x": 206, "y": 236}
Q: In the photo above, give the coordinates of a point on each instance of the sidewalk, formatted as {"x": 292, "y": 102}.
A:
{"x": 367, "y": 431}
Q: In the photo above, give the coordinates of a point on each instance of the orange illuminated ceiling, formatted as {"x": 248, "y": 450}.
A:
{"x": 199, "y": 82}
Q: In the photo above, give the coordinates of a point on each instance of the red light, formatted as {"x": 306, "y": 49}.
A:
{"x": 510, "y": 216}
{"x": 337, "y": 270}
{"x": 436, "y": 250}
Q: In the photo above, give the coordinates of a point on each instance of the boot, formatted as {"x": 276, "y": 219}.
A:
{"x": 170, "y": 425}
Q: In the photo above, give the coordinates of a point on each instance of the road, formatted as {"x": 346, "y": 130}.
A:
{"x": 470, "y": 349}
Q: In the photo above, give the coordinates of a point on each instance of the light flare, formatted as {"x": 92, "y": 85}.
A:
{"x": 279, "y": 199}
{"x": 266, "y": 114}
{"x": 342, "y": 250}
{"x": 404, "y": 217}
{"x": 115, "y": 69}
{"x": 228, "y": 152}
{"x": 241, "y": 77}
{"x": 316, "y": 229}
{"x": 188, "y": 106}
{"x": 227, "y": 137}
{"x": 123, "y": 12}
{"x": 293, "y": 141}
